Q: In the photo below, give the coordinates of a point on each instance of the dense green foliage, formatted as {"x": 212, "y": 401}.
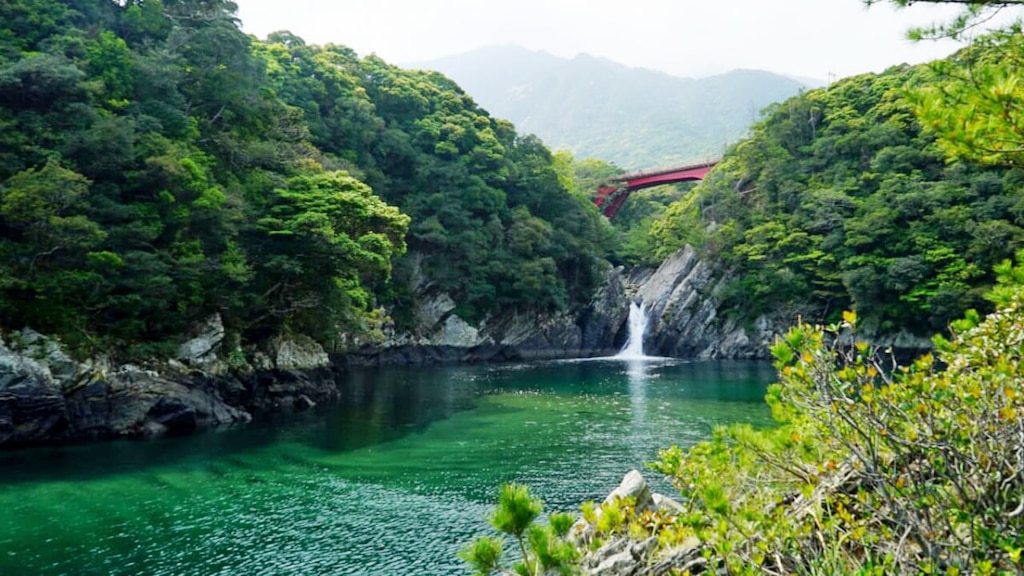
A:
{"x": 974, "y": 101}
{"x": 874, "y": 468}
{"x": 638, "y": 118}
{"x": 490, "y": 216}
{"x": 839, "y": 200}
{"x": 627, "y": 239}
{"x": 973, "y": 14}
{"x": 157, "y": 165}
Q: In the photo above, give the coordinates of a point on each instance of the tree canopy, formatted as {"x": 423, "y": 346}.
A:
{"x": 157, "y": 165}
{"x": 974, "y": 16}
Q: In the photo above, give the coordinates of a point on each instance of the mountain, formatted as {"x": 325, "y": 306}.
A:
{"x": 635, "y": 117}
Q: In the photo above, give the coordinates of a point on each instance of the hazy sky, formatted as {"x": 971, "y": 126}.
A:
{"x": 812, "y": 38}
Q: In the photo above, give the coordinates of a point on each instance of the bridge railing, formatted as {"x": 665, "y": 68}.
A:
{"x": 660, "y": 171}
{"x": 610, "y": 197}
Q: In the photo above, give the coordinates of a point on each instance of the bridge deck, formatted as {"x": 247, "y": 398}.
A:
{"x": 664, "y": 171}
{"x": 610, "y": 197}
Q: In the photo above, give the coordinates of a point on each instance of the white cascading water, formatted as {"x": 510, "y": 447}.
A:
{"x": 638, "y": 319}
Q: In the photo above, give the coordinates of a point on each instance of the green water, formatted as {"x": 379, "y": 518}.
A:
{"x": 394, "y": 480}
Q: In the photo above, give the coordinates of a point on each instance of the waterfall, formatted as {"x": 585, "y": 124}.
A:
{"x": 638, "y": 319}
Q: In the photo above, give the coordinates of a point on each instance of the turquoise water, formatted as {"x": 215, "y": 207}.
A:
{"x": 394, "y": 480}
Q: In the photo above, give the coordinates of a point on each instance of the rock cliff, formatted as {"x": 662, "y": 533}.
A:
{"x": 47, "y": 397}
{"x": 679, "y": 295}
{"x": 680, "y": 299}
{"x": 442, "y": 337}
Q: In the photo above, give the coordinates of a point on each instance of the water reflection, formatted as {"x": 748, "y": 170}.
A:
{"x": 393, "y": 479}
{"x": 638, "y": 372}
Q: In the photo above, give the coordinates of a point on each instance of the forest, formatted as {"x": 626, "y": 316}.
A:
{"x": 157, "y": 165}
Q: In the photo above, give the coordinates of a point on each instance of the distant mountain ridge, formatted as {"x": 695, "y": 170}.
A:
{"x": 635, "y": 117}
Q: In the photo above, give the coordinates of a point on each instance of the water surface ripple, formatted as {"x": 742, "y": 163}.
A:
{"x": 394, "y": 480}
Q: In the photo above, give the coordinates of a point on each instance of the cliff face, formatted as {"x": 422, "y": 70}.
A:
{"x": 47, "y": 397}
{"x": 442, "y": 336}
{"x": 679, "y": 296}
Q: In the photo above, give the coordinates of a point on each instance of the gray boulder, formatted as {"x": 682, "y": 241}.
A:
{"x": 298, "y": 352}
{"x": 633, "y": 486}
{"x": 665, "y": 505}
{"x": 204, "y": 346}
{"x": 31, "y": 404}
{"x": 49, "y": 353}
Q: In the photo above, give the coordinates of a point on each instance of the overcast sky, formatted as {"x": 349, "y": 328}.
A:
{"x": 819, "y": 39}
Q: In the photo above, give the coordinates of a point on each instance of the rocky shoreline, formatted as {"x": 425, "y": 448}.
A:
{"x": 47, "y": 397}
{"x": 679, "y": 296}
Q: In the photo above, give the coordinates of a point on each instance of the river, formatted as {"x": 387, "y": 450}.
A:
{"x": 393, "y": 480}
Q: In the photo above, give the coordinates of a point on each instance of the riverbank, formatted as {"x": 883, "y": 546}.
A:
{"x": 46, "y": 396}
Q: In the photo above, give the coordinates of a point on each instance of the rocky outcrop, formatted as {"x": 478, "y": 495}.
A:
{"x": 602, "y": 322}
{"x": 204, "y": 346}
{"x": 31, "y": 403}
{"x": 441, "y": 336}
{"x": 47, "y": 397}
{"x": 133, "y": 402}
{"x": 680, "y": 299}
{"x": 619, "y": 555}
{"x": 297, "y": 352}
{"x": 679, "y": 294}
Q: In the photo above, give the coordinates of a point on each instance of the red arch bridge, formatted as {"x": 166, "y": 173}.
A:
{"x": 611, "y": 196}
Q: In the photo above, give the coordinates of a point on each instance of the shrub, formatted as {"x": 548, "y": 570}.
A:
{"x": 875, "y": 468}
{"x": 543, "y": 548}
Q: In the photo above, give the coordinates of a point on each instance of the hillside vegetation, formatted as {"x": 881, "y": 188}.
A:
{"x": 839, "y": 200}
{"x": 157, "y": 165}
